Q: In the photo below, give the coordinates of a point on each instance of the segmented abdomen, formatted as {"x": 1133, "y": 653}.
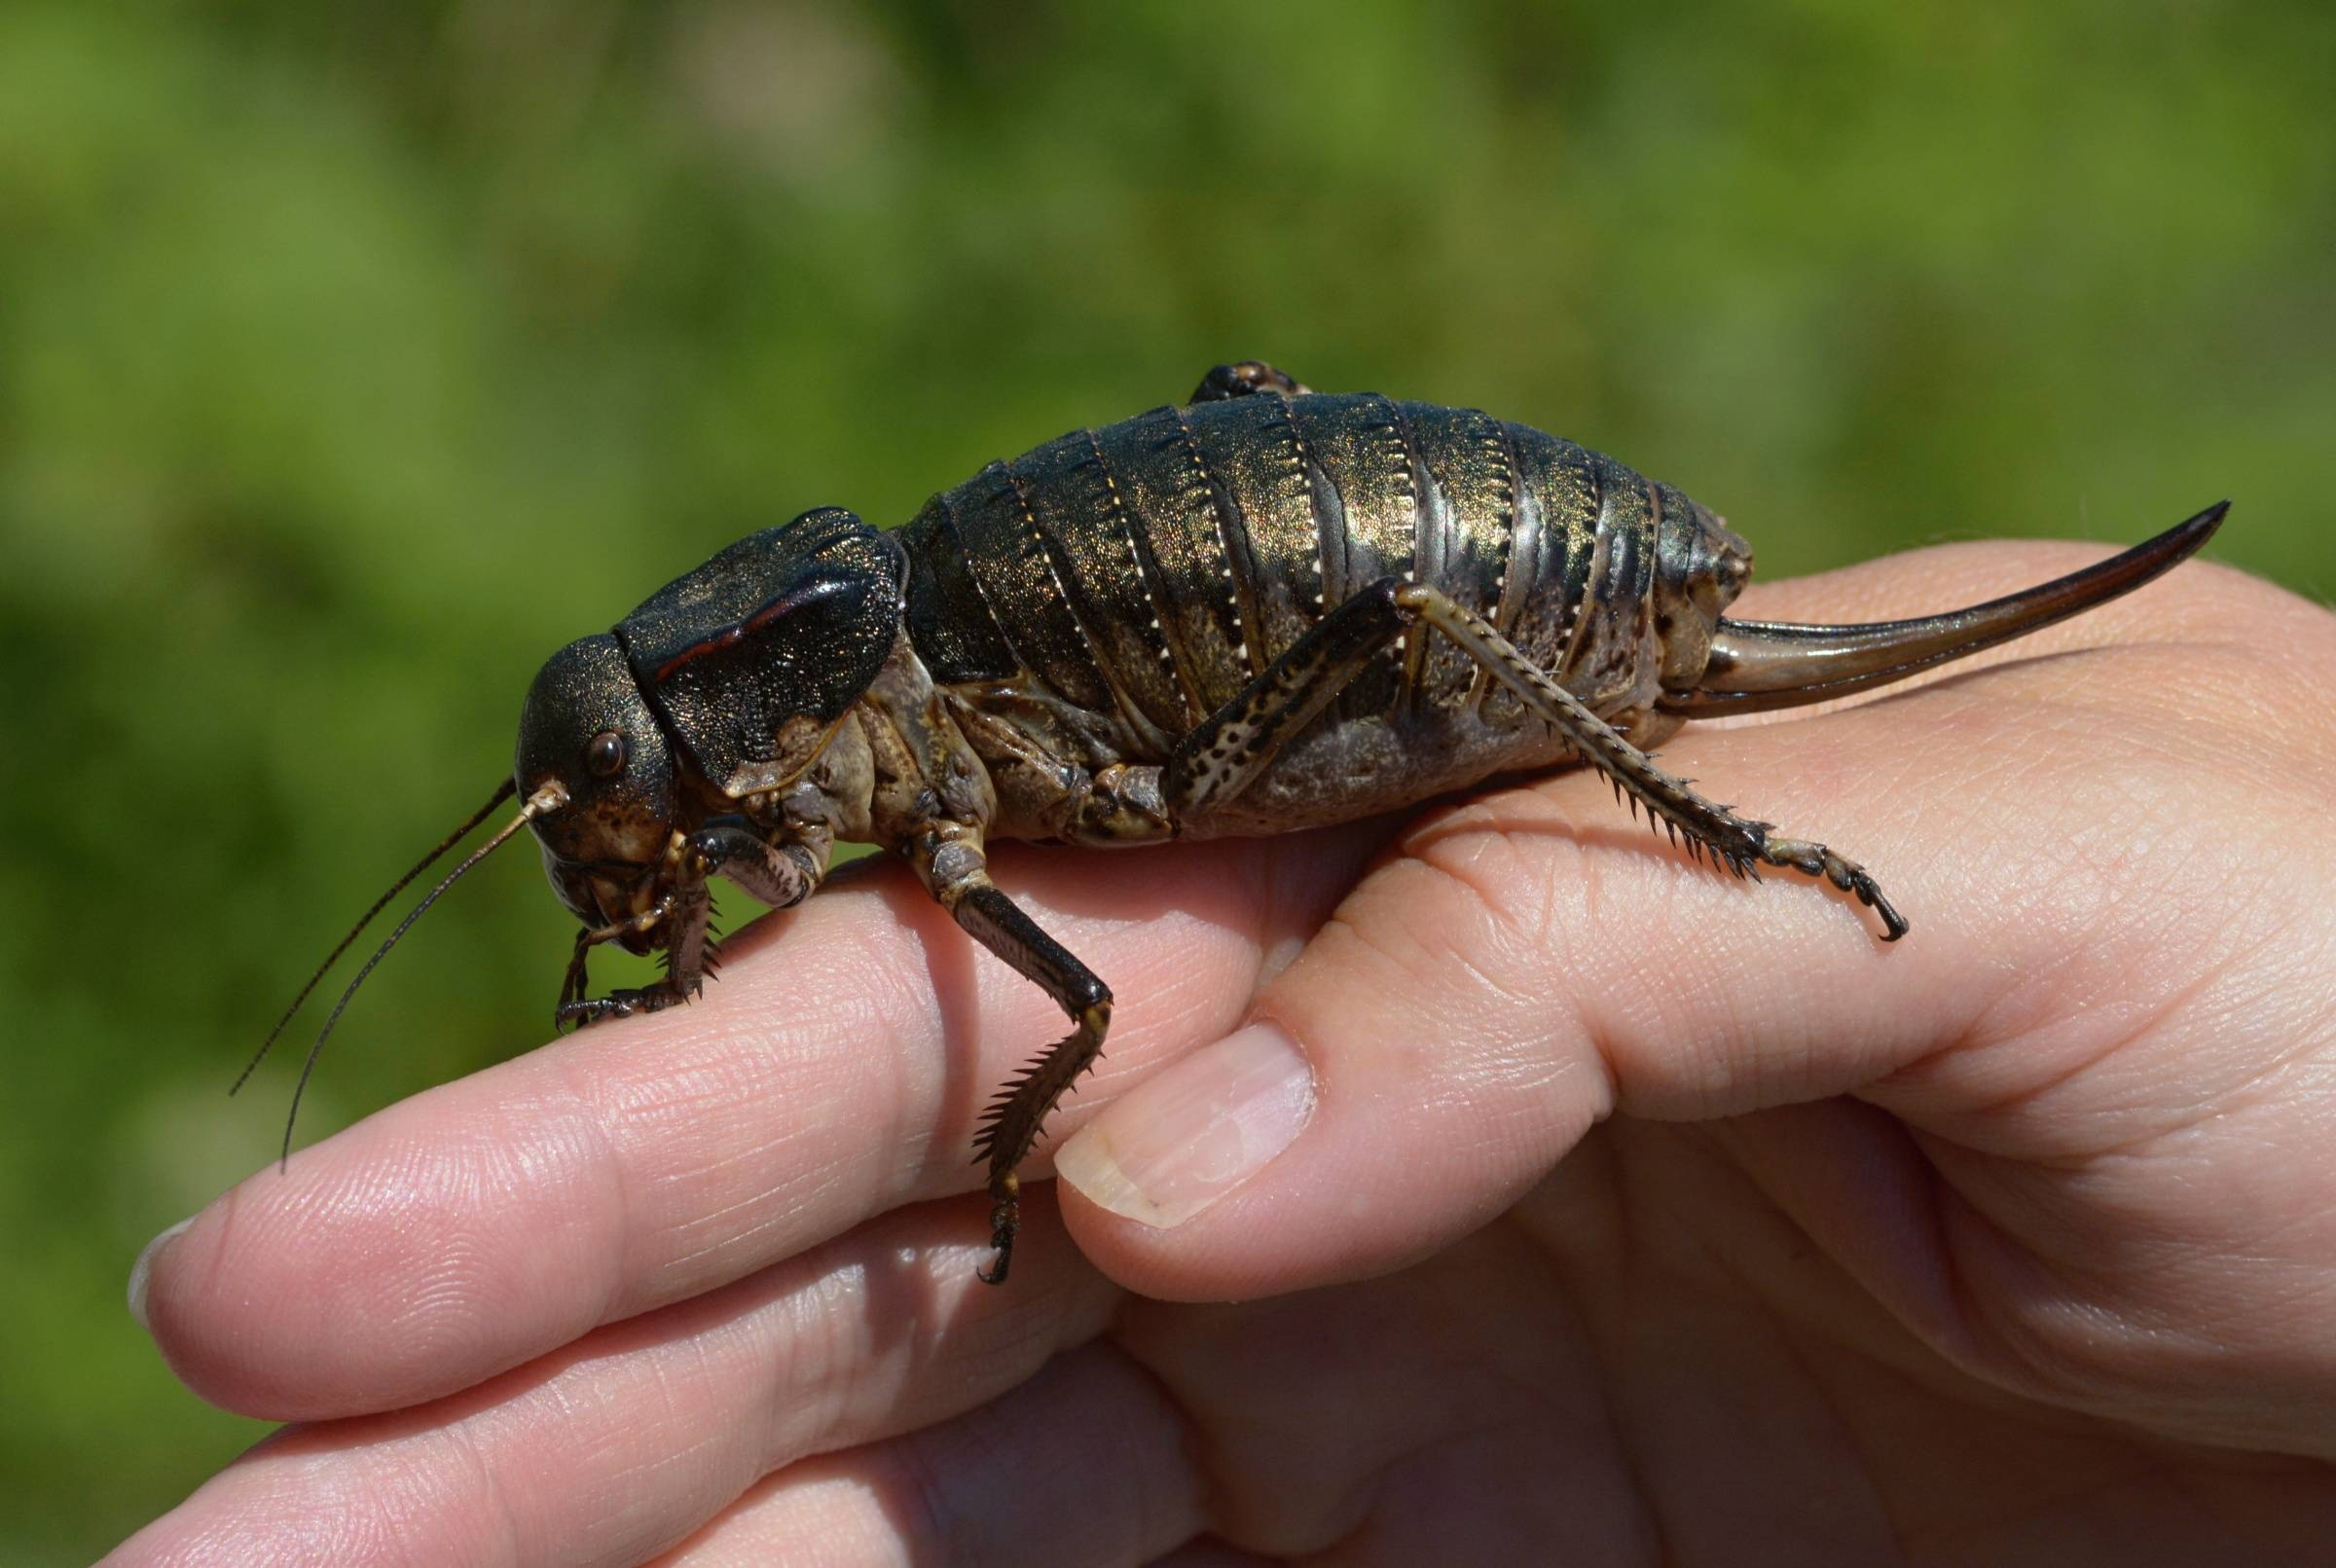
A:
{"x": 1149, "y": 570}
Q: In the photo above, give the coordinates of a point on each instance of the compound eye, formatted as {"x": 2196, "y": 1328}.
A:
{"x": 605, "y": 754}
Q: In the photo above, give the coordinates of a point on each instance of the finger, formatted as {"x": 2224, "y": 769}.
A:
{"x": 836, "y": 1072}
{"x": 1530, "y": 963}
{"x": 1086, "y": 1463}
{"x": 1360, "y": 1424}
{"x": 619, "y": 1447}
{"x": 1210, "y": 1555}
{"x": 1459, "y": 1412}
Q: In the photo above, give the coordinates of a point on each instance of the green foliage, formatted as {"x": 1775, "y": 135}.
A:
{"x": 351, "y": 358}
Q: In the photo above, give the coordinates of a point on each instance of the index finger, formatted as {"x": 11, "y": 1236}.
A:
{"x": 835, "y": 1073}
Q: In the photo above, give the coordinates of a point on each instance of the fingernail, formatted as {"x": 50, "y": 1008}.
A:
{"x": 143, "y": 1270}
{"x": 1187, "y": 1138}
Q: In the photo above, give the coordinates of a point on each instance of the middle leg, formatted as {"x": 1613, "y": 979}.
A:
{"x": 955, "y": 871}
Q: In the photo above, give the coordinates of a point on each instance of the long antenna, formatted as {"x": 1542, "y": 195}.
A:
{"x": 551, "y": 797}
{"x": 503, "y": 791}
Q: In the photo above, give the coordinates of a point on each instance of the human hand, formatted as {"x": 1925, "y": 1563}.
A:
{"x": 2016, "y": 1241}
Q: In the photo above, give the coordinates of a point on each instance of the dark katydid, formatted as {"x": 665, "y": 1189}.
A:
{"x": 1261, "y": 610}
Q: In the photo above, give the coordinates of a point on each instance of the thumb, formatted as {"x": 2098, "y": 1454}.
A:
{"x": 1523, "y": 968}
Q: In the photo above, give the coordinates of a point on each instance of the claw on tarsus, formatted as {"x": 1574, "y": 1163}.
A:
{"x": 1006, "y": 1223}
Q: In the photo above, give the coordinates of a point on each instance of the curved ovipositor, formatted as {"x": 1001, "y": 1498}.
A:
{"x": 1754, "y": 666}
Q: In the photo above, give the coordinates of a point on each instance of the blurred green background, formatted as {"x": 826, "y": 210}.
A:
{"x": 352, "y": 357}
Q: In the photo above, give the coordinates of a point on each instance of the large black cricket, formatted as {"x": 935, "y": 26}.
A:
{"x": 1263, "y": 609}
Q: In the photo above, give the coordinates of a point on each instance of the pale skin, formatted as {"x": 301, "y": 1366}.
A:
{"x": 1627, "y": 1213}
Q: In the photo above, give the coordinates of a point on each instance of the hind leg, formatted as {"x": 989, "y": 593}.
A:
{"x": 1238, "y": 742}
{"x": 1243, "y": 380}
{"x": 955, "y": 871}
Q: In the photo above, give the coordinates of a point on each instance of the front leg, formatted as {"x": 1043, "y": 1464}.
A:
{"x": 683, "y": 912}
{"x": 676, "y": 920}
{"x": 954, "y": 869}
